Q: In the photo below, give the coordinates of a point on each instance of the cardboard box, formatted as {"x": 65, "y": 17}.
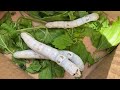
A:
{"x": 107, "y": 68}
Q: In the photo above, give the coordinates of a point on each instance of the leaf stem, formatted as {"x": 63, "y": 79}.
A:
{"x": 31, "y": 18}
{"x": 25, "y": 29}
{"x": 5, "y": 46}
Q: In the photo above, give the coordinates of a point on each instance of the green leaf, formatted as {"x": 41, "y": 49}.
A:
{"x": 56, "y": 15}
{"x": 47, "y": 13}
{"x": 20, "y": 63}
{"x": 90, "y": 60}
{"x": 52, "y": 34}
{"x": 10, "y": 40}
{"x": 86, "y": 31}
{"x": 61, "y": 42}
{"x": 8, "y": 34}
{"x": 3, "y": 45}
{"x": 70, "y": 39}
{"x": 8, "y": 25}
{"x": 80, "y": 32}
{"x": 34, "y": 14}
{"x": 110, "y": 35}
{"x": 103, "y": 21}
{"x": 34, "y": 67}
{"x": 95, "y": 38}
{"x": 50, "y": 70}
{"x": 46, "y": 73}
{"x": 24, "y": 23}
{"x": 30, "y": 70}
{"x": 46, "y": 36}
{"x": 80, "y": 49}
{"x": 5, "y": 18}
{"x": 20, "y": 45}
{"x": 9, "y": 29}
{"x": 82, "y": 13}
{"x": 71, "y": 15}
{"x": 57, "y": 71}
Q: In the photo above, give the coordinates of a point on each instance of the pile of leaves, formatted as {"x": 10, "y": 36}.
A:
{"x": 103, "y": 36}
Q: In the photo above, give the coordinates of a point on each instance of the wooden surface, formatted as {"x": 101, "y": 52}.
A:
{"x": 8, "y": 70}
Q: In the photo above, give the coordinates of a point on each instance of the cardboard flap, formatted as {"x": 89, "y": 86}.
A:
{"x": 9, "y": 70}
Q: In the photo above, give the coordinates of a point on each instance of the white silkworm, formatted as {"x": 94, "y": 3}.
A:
{"x": 52, "y": 53}
{"x": 29, "y": 54}
{"x": 39, "y": 47}
{"x": 74, "y": 58}
{"x": 74, "y": 23}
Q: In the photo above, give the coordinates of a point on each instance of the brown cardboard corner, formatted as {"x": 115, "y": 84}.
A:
{"x": 9, "y": 70}
{"x": 109, "y": 68}
{"x": 112, "y": 15}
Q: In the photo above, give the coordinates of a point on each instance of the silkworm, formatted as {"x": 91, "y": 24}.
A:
{"x": 52, "y": 53}
{"x": 30, "y": 54}
{"x": 74, "y": 23}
